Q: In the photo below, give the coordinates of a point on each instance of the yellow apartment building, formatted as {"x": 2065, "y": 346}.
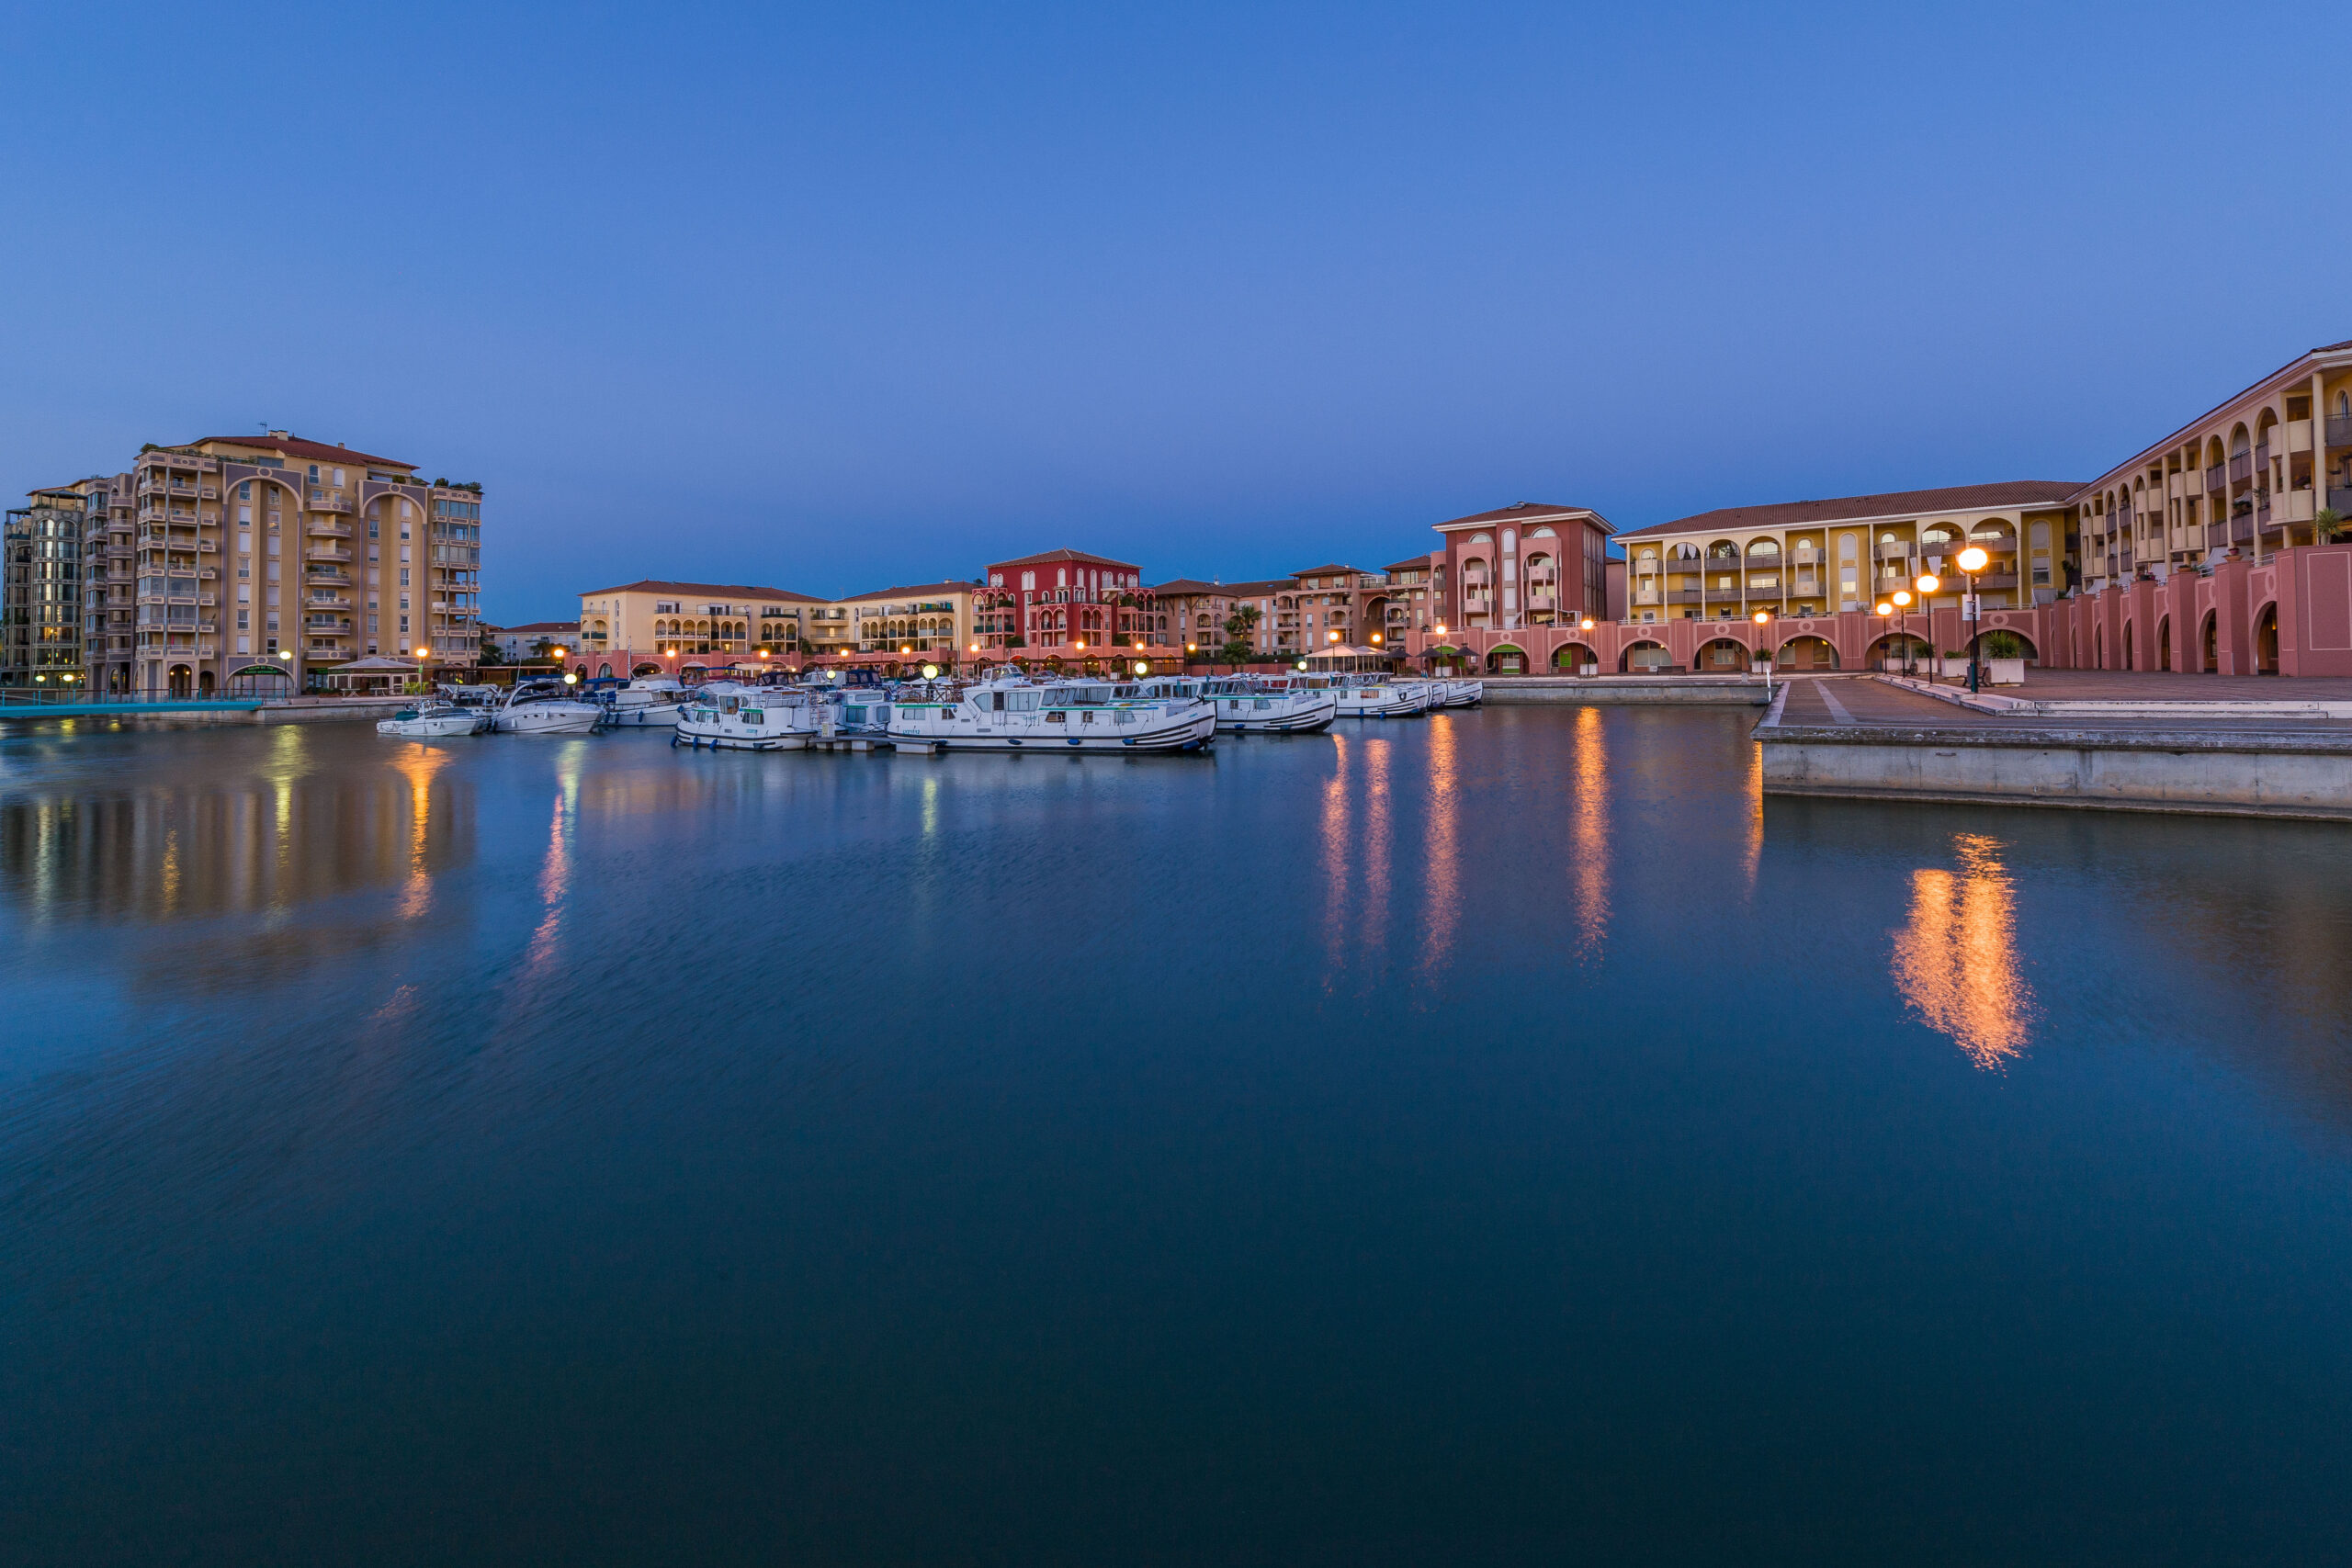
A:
{"x": 1816, "y": 557}
{"x": 2251, "y": 474}
{"x": 266, "y": 558}
{"x": 650, "y": 622}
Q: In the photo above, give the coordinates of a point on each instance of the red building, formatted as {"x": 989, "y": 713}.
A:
{"x": 1066, "y": 605}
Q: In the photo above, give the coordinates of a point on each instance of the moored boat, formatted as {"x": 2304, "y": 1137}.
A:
{"x": 545, "y": 707}
{"x": 1063, "y": 716}
{"x": 1246, "y": 705}
{"x": 648, "y": 702}
{"x": 434, "y": 718}
{"x": 763, "y": 719}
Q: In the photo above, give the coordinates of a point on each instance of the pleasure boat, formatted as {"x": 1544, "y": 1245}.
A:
{"x": 648, "y": 702}
{"x": 1368, "y": 696}
{"x": 1061, "y": 715}
{"x": 749, "y": 719}
{"x": 1462, "y": 693}
{"x": 1245, "y": 704}
{"x": 433, "y": 719}
{"x": 545, "y": 707}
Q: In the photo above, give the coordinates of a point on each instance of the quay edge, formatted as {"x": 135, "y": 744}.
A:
{"x": 1718, "y": 690}
{"x": 2206, "y": 772}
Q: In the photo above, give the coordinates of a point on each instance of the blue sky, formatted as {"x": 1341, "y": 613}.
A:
{"x": 837, "y": 298}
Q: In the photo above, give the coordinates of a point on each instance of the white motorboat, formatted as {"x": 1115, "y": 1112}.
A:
{"x": 1062, "y": 716}
{"x": 545, "y": 707}
{"x": 650, "y": 702}
{"x": 1380, "y": 696}
{"x": 433, "y": 719}
{"x": 755, "y": 718}
{"x": 1246, "y": 705}
{"x": 1462, "y": 693}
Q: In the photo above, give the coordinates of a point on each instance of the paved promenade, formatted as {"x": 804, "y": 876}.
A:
{"x": 2223, "y": 705}
{"x": 2255, "y": 748}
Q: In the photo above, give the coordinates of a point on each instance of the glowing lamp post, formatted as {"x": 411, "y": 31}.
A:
{"x": 1970, "y": 561}
{"x": 1764, "y": 618}
{"x": 1902, "y": 624}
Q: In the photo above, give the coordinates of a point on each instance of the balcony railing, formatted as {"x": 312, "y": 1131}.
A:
{"x": 2241, "y": 467}
{"x": 2339, "y": 430}
{"x": 326, "y": 552}
{"x": 2341, "y": 500}
{"x": 329, "y": 501}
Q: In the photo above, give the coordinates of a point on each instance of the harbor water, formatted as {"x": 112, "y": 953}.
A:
{"x": 1501, "y": 1136}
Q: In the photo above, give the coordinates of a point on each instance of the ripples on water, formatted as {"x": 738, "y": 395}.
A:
{"x": 1494, "y": 1136}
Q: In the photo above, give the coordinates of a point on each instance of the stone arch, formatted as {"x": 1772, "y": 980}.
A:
{"x": 1897, "y": 650}
{"x": 2209, "y": 651}
{"x": 1807, "y": 651}
{"x": 1646, "y": 654}
{"x": 1572, "y": 657}
{"x": 2266, "y": 638}
{"x": 1507, "y": 659}
{"x": 1721, "y": 655}
{"x": 260, "y": 680}
{"x": 180, "y": 681}
{"x": 1766, "y": 546}
{"x": 604, "y": 670}
{"x": 2164, "y": 642}
{"x": 646, "y": 668}
{"x": 2130, "y": 647}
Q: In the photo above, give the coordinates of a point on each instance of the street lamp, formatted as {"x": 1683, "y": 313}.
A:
{"x": 1970, "y": 561}
{"x": 1902, "y": 624}
{"x": 1764, "y": 618}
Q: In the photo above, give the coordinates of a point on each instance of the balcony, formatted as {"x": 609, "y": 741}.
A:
{"x": 320, "y": 530}
{"x": 2339, "y": 430}
{"x": 2341, "y": 500}
{"x": 2215, "y": 478}
{"x": 329, "y": 501}
{"x": 326, "y": 552}
{"x": 2241, "y": 469}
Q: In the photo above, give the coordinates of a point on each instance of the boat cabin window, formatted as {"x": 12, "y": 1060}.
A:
{"x": 1021, "y": 701}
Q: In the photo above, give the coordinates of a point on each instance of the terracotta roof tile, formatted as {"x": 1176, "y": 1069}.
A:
{"x": 1892, "y": 503}
{"x": 719, "y": 590}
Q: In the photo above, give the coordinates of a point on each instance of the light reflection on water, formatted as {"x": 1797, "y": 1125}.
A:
{"x": 1956, "y": 962}
{"x": 1474, "y": 1130}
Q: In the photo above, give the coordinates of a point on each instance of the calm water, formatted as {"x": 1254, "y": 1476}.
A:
{"x": 1489, "y": 1138}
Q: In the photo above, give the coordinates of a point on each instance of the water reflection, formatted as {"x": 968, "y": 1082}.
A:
{"x": 1589, "y": 828}
{"x": 1956, "y": 963}
{"x": 1442, "y": 886}
{"x": 195, "y": 841}
{"x": 1336, "y": 841}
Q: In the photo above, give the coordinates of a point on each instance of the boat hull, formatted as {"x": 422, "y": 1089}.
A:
{"x": 574, "y": 719}
{"x": 436, "y": 729}
{"x": 1190, "y": 731}
{"x": 1242, "y": 716}
{"x": 652, "y": 716}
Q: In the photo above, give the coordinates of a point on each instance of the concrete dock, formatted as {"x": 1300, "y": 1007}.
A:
{"x": 1717, "y": 690}
{"x": 2155, "y": 742}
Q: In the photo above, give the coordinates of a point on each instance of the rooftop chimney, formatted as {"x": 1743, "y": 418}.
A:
{"x": 278, "y": 435}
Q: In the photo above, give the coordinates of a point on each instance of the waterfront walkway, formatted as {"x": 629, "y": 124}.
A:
{"x": 2255, "y": 748}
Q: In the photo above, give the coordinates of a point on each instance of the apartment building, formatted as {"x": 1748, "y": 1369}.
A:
{"x": 109, "y": 582}
{"x": 1063, "y": 603}
{"x": 1536, "y": 564}
{"x": 927, "y": 617}
{"x": 41, "y": 551}
{"x": 655, "y": 625}
{"x": 266, "y": 560}
{"x": 1815, "y": 557}
{"x": 2249, "y": 476}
